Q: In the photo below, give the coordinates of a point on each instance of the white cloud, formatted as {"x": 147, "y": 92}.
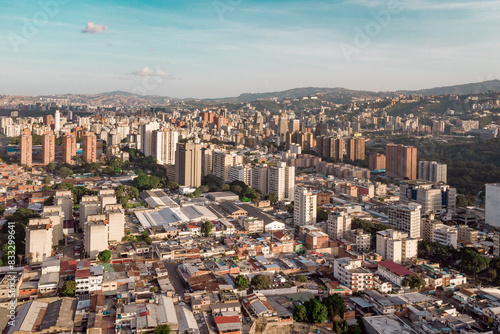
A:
{"x": 147, "y": 72}
{"x": 92, "y": 28}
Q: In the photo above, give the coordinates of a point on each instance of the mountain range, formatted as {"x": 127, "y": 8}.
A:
{"x": 464, "y": 89}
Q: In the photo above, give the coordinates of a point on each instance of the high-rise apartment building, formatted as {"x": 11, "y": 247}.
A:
{"x": 376, "y": 161}
{"x": 338, "y": 224}
{"x": 206, "y": 161}
{"x": 57, "y": 121}
{"x": 432, "y": 171}
{"x": 401, "y": 161}
{"x": 329, "y": 147}
{"x": 69, "y": 148}
{"x": 355, "y": 148}
{"x": 103, "y": 221}
{"x": 188, "y": 164}
{"x": 38, "y": 240}
{"x": 283, "y": 124}
{"x": 96, "y": 232}
{"x": 55, "y": 214}
{"x": 64, "y": 199}
{"x": 360, "y": 238}
{"x": 281, "y": 181}
{"x": 259, "y": 179}
{"x": 147, "y": 137}
{"x": 48, "y": 120}
{"x": 396, "y": 246}
{"x": 294, "y": 125}
{"x": 222, "y": 162}
{"x": 89, "y": 147}
{"x": 304, "y": 211}
{"x": 207, "y": 116}
{"x": 406, "y": 218}
{"x": 116, "y": 220}
{"x": 48, "y": 147}
{"x": 493, "y": 204}
{"x": 241, "y": 173}
{"x": 26, "y": 147}
{"x": 434, "y": 197}
{"x": 164, "y": 145}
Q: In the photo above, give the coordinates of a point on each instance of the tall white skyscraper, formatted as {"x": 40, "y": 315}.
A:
{"x": 338, "y": 224}
{"x": 147, "y": 137}
{"x": 406, "y": 218}
{"x": 206, "y": 161}
{"x": 281, "y": 181}
{"x": 304, "y": 211}
{"x": 164, "y": 145}
{"x": 432, "y": 171}
{"x": 222, "y": 162}
{"x": 493, "y": 204}
{"x": 57, "y": 121}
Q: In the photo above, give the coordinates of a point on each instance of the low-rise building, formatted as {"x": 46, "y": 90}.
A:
{"x": 393, "y": 272}
{"x": 350, "y": 273}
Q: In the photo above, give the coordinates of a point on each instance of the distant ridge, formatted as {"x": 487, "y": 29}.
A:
{"x": 465, "y": 89}
{"x": 338, "y": 92}
{"x": 300, "y": 92}
{"x": 119, "y": 93}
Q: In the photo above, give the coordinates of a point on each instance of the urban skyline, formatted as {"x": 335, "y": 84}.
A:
{"x": 159, "y": 197}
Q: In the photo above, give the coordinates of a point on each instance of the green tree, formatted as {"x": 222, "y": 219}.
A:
{"x": 203, "y": 189}
{"x": 241, "y": 282}
{"x": 301, "y": 278}
{"x": 414, "y": 281}
{"x": 145, "y": 182}
{"x": 473, "y": 262}
{"x": 104, "y": 256}
{"x": 492, "y": 274}
{"x": 261, "y": 281}
{"x": 94, "y": 166}
{"x": 46, "y": 180}
{"x": 163, "y": 329}
{"x": 2, "y": 209}
{"x": 22, "y": 216}
{"x": 335, "y": 305}
{"x": 236, "y": 189}
{"x": 316, "y": 312}
{"x": 207, "y": 228}
{"x": 154, "y": 289}
{"x": 77, "y": 160}
{"x": 64, "y": 172}
{"x": 68, "y": 289}
{"x": 49, "y": 201}
{"x": 300, "y": 313}
{"x": 172, "y": 185}
{"x": 215, "y": 183}
{"x": 51, "y": 167}
{"x": 462, "y": 201}
{"x": 273, "y": 198}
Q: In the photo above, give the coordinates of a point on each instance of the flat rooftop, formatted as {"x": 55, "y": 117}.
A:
{"x": 389, "y": 324}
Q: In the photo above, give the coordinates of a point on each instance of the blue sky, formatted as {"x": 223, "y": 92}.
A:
{"x": 224, "y": 48}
